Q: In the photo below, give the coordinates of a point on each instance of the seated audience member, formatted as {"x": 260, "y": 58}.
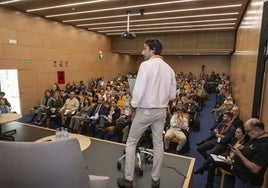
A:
{"x": 201, "y": 93}
{"x": 225, "y": 107}
{"x": 236, "y": 122}
{"x": 179, "y": 126}
{"x": 111, "y": 115}
{"x": 55, "y": 88}
{"x": 178, "y": 105}
{"x": 3, "y": 107}
{"x": 123, "y": 122}
{"x": 80, "y": 116}
{"x": 250, "y": 161}
{"x": 2, "y": 94}
{"x": 220, "y": 98}
{"x": 43, "y": 107}
{"x": 210, "y": 164}
{"x": 217, "y": 142}
{"x": 68, "y": 87}
{"x": 94, "y": 116}
{"x": 192, "y": 109}
{"x": 69, "y": 108}
{"x": 55, "y": 105}
{"x": 64, "y": 96}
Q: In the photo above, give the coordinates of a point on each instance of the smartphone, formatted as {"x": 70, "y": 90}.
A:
{"x": 230, "y": 146}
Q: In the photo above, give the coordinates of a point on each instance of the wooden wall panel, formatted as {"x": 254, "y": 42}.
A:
{"x": 193, "y": 64}
{"x": 1, "y": 51}
{"x": 215, "y": 40}
{"x": 7, "y": 34}
{"x": 12, "y": 51}
{"x": 244, "y": 61}
{"x": 185, "y": 42}
{"x": 41, "y": 42}
{"x": 52, "y": 42}
{"x": 30, "y": 39}
{"x": 42, "y": 54}
{"x": 181, "y": 44}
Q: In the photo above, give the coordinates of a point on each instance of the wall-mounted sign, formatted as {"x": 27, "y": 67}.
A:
{"x": 61, "y": 77}
{"x": 27, "y": 60}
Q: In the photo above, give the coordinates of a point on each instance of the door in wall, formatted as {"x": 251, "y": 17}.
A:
{"x": 9, "y": 85}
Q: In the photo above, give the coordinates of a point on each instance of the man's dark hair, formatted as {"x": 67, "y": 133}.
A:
{"x": 155, "y": 45}
{"x": 229, "y": 114}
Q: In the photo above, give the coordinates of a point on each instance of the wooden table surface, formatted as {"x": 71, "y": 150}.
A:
{"x": 84, "y": 141}
{"x": 5, "y": 118}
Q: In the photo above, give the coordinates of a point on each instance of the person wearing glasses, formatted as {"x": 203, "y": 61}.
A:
{"x": 250, "y": 161}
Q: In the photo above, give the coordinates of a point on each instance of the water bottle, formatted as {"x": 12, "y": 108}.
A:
{"x": 127, "y": 107}
{"x": 66, "y": 134}
{"x": 62, "y": 132}
{"x": 58, "y": 134}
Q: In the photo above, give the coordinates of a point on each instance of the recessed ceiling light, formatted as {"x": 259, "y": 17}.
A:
{"x": 120, "y": 8}
{"x": 65, "y": 5}
{"x": 170, "y": 27}
{"x": 7, "y": 2}
{"x": 169, "y": 23}
{"x": 167, "y": 18}
{"x": 152, "y": 13}
{"x": 180, "y": 30}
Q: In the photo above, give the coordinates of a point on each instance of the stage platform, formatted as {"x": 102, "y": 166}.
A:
{"x": 101, "y": 159}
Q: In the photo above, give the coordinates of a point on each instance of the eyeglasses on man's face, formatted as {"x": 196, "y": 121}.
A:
{"x": 248, "y": 131}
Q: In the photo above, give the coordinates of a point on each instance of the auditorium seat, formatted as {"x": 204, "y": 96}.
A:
{"x": 223, "y": 173}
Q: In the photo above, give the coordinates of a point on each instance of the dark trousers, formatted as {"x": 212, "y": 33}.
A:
{"x": 119, "y": 126}
{"x": 211, "y": 146}
{"x": 211, "y": 166}
{"x": 91, "y": 126}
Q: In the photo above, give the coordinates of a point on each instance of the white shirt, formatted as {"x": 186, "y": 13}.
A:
{"x": 182, "y": 122}
{"x": 155, "y": 85}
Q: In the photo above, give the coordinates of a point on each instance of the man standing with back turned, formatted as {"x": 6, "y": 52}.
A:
{"x": 155, "y": 86}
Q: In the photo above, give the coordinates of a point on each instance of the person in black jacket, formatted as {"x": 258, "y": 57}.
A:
{"x": 237, "y": 122}
{"x": 218, "y": 139}
{"x": 111, "y": 115}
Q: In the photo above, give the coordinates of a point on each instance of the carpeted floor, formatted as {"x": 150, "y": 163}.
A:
{"x": 206, "y": 121}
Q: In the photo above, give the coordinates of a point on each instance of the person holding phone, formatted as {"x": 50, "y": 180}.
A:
{"x": 250, "y": 161}
{"x": 210, "y": 164}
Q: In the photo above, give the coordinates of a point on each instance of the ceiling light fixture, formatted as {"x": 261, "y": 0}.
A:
{"x": 180, "y": 30}
{"x": 171, "y": 27}
{"x": 65, "y": 5}
{"x": 172, "y": 23}
{"x": 152, "y": 13}
{"x": 169, "y": 18}
{"x": 120, "y": 8}
{"x": 8, "y": 2}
